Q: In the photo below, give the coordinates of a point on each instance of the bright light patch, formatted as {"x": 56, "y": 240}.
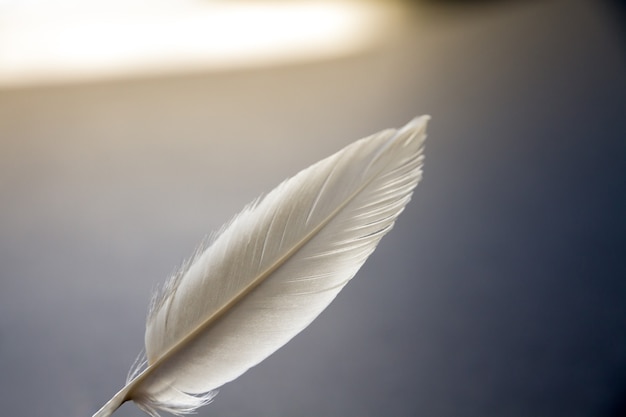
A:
{"x": 83, "y": 41}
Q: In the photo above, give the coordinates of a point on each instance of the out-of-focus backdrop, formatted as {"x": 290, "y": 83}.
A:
{"x": 131, "y": 130}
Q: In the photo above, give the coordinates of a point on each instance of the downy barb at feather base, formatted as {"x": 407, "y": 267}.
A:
{"x": 271, "y": 271}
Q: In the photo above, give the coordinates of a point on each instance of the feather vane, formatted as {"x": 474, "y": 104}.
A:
{"x": 271, "y": 271}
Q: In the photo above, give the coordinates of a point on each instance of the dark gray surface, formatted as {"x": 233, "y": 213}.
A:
{"x": 501, "y": 291}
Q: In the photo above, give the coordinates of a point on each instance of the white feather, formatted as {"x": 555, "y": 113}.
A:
{"x": 272, "y": 271}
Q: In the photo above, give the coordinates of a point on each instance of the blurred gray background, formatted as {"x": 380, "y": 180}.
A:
{"x": 500, "y": 292}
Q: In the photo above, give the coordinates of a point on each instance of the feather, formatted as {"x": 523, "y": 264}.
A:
{"x": 271, "y": 271}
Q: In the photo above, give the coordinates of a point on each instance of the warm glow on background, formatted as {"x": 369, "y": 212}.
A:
{"x": 41, "y": 43}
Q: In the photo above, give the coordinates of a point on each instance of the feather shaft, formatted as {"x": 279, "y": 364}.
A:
{"x": 272, "y": 271}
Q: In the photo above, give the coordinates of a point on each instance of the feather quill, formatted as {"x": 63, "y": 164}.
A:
{"x": 271, "y": 271}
